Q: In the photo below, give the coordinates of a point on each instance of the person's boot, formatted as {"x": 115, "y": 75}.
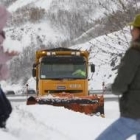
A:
{"x": 3, "y": 124}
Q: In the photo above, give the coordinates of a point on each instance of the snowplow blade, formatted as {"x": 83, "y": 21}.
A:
{"x": 89, "y": 105}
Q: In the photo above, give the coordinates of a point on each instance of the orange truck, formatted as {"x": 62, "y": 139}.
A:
{"x": 62, "y": 80}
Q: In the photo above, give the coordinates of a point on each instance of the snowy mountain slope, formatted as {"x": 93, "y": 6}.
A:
{"x": 53, "y": 7}
{"x": 56, "y": 123}
{"x": 39, "y": 34}
{"x": 105, "y": 53}
{"x": 29, "y": 32}
{"x": 34, "y": 3}
{"x": 60, "y": 5}
{"x": 52, "y": 33}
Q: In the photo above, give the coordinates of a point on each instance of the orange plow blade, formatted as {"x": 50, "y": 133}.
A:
{"x": 89, "y": 105}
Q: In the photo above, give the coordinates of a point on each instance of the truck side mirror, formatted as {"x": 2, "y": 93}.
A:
{"x": 34, "y": 65}
{"x": 92, "y": 68}
{"x": 34, "y": 70}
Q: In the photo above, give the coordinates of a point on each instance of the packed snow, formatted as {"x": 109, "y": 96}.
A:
{"x": 41, "y": 122}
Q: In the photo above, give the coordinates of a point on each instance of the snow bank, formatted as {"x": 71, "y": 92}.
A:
{"x": 6, "y": 136}
{"x": 41, "y": 122}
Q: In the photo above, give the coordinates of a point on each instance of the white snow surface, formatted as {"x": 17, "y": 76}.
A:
{"x": 41, "y": 122}
{"x": 37, "y": 3}
{"x": 31, "y": 34}
{"x": 16, "y": 45}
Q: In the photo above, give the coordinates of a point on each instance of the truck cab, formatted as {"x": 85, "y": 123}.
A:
{"x": 62, "y": 70}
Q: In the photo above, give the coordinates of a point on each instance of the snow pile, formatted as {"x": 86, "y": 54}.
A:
{"x": 5, "y": 136}
{"x": 56, "y": 123}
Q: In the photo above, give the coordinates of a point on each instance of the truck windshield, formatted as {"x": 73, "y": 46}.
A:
{"x": 63, "y": 71}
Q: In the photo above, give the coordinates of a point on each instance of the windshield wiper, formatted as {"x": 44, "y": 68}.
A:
{"x": 56, "y": 78}
{"x": 73, "y": 78}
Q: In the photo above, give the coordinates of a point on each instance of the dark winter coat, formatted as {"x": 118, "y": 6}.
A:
{"x": 5, "y": 108}
{"x": 127, "y": 82}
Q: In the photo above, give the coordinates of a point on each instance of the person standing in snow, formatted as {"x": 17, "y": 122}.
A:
{"x": 127, "y": 84}
{"x": 5, "y": 106}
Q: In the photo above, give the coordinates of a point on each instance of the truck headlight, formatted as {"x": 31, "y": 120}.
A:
{"x": 78, "y": 53}
{"x": 73, "y": 53}
{"x": 48, "y": 53}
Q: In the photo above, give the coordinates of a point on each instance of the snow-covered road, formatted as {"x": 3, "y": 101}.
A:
{"x": 41, "y": 122}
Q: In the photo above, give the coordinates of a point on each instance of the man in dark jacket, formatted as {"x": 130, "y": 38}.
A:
{"x": 127, "y": 84}
{"x": 5, "y": 106}
{"x": 5, "y": 109}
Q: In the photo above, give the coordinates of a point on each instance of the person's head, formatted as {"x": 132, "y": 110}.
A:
{"x": 135, "y": 28}
{"x": 135, "y": 32}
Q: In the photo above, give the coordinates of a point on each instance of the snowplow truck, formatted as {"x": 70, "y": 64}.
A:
{"x": 62, "y": 80}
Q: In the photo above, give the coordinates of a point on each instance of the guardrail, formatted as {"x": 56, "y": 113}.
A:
{"x": 90, "y": 92}
{"x": 107, "y": 95}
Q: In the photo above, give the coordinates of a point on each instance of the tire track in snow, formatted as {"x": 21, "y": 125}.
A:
{"x": 29, "y": 127}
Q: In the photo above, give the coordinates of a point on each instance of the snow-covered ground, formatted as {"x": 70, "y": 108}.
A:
{"x": 56, "y": 123}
